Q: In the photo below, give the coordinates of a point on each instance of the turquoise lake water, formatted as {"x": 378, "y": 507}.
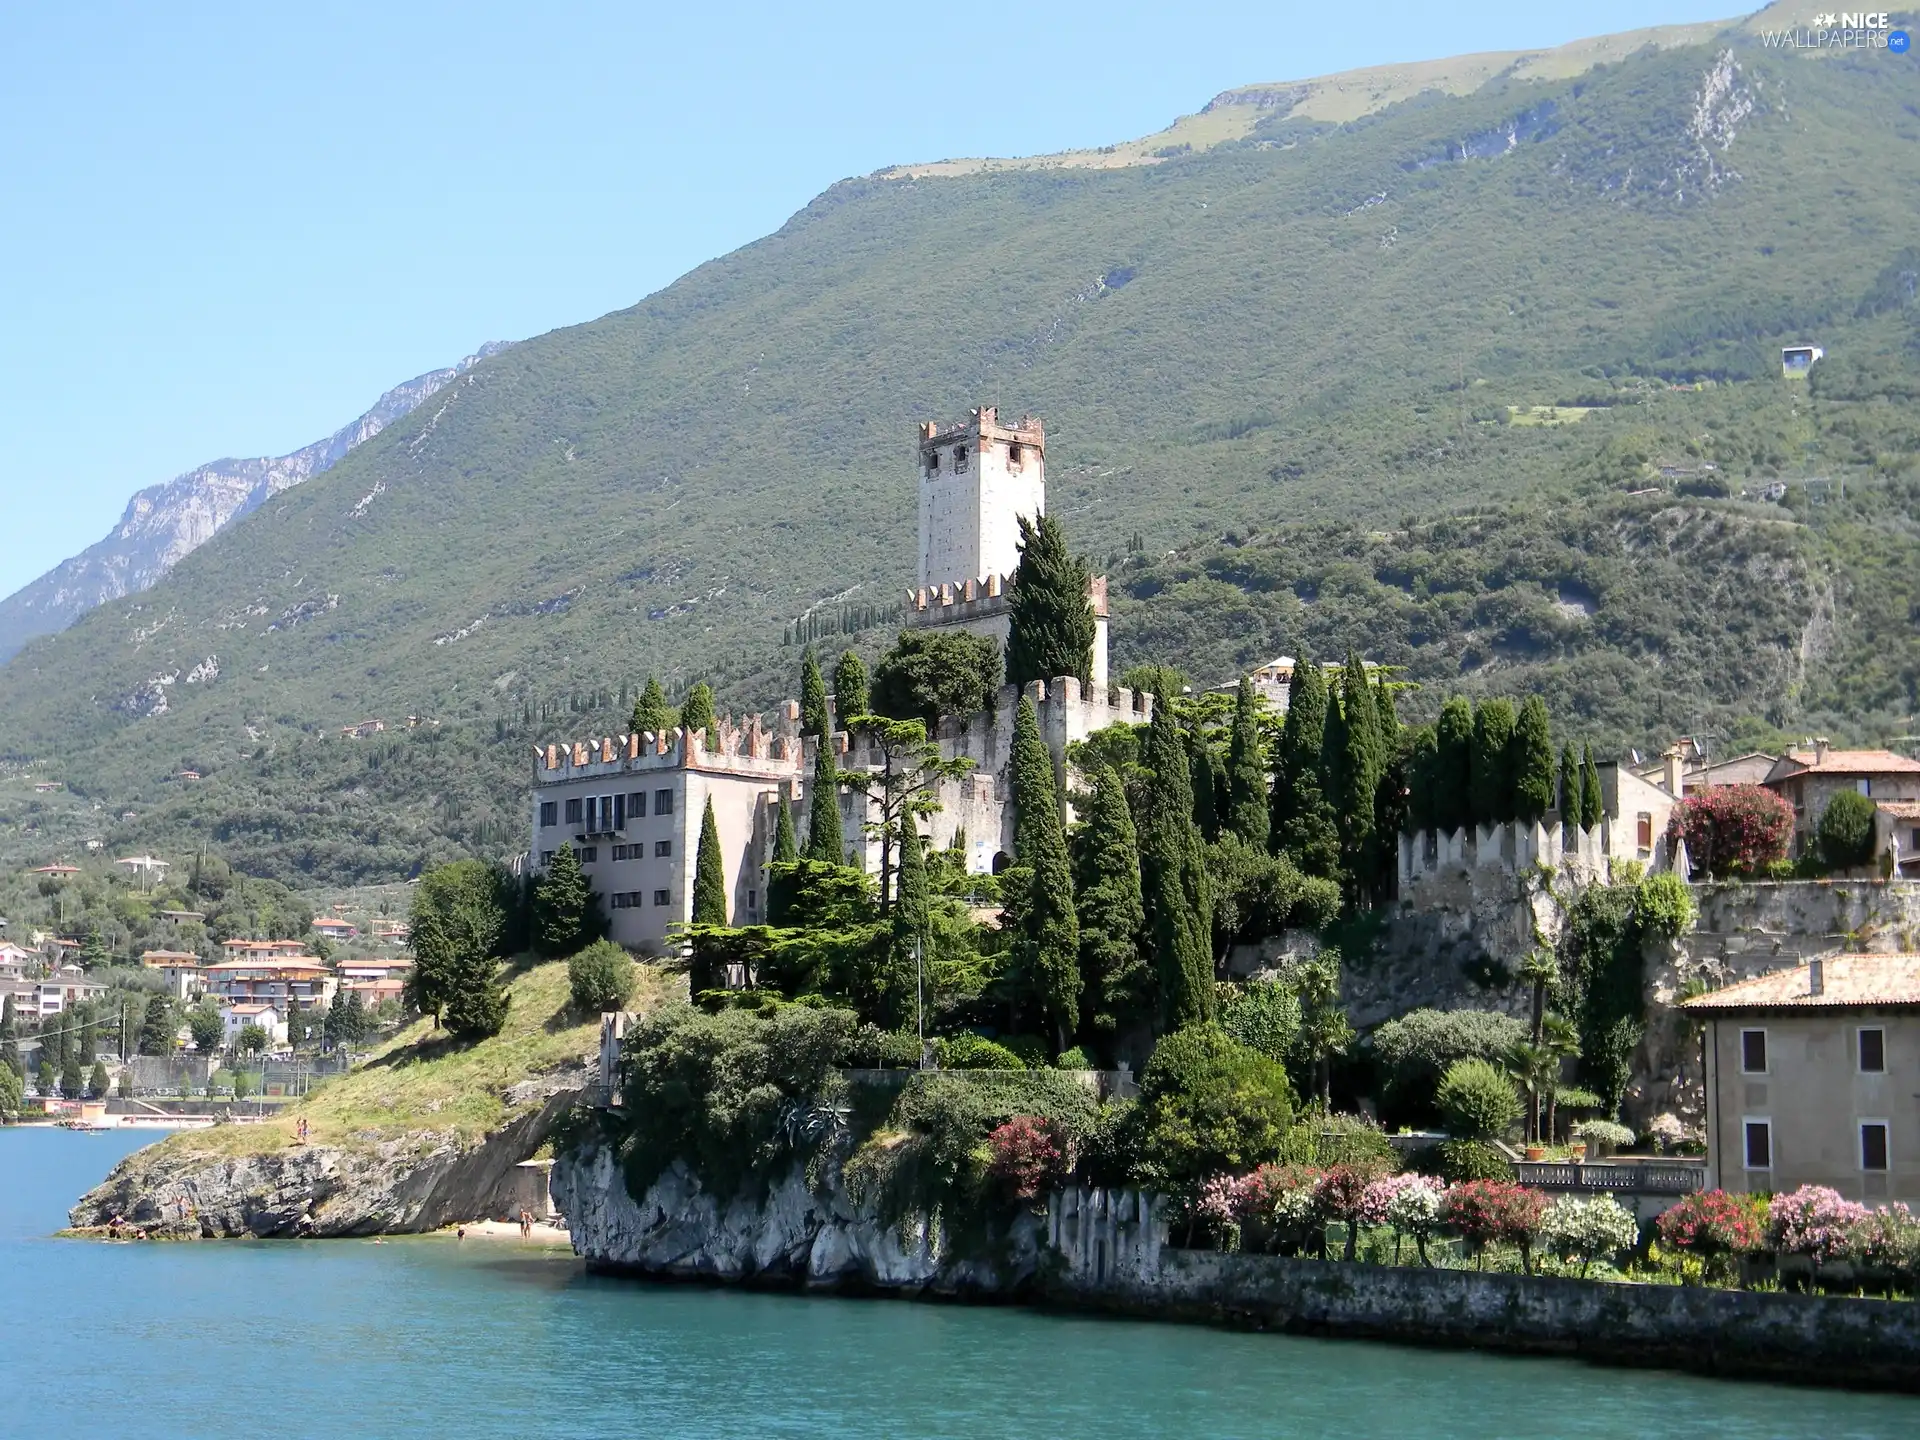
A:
{"x": 429, "y": 1338}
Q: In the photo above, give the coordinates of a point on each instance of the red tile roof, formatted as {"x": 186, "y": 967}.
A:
{"x": 1849, "y": 982}
{"x": 1849, "y": 762}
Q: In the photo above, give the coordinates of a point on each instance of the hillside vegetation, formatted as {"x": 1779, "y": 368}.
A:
{"x": 1391, "y": 381}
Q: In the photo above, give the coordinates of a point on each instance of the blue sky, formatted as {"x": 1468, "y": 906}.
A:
{"x": 229, "y": 227}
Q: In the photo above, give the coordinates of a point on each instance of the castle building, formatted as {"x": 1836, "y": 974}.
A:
{"x": 631, "y": 806}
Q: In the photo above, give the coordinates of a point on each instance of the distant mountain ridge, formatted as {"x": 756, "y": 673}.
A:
{"x": 165, "y": 522}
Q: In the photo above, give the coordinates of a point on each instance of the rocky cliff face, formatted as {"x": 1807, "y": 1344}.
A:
{"x": 417, "y": 1182}
{"x": 795, "y": 1235}
{"x": 165, "y": 522}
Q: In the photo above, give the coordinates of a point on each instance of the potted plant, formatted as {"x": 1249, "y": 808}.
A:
{"x": 1602, "y": 1136}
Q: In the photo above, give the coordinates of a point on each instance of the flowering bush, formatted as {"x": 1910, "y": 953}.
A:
{"x": 1486, "y": 1211}
{"x": 1888, "y": 1240}
{"x": 1814, "y": 1221}
{"x": 1277, "y": 1207}
{"x": 1340, "y": 1195}
{"x": 1734, "y": 829}
{"x": 1588, "y": 1230}
{"x": 1409, "y": 1203}
{"x": 1712, "y": 1224}
{"x": 1028, "y": 1157}
{"x": 1216, "y": 1204}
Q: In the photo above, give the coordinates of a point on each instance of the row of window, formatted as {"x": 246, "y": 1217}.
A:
{"x": 630, "y": 899}
{"x": 1870, "y": 1051}
{"x": 661, "y": 850}
{"x": 600, "y": 813}
{"x": 1758, "y": 1134}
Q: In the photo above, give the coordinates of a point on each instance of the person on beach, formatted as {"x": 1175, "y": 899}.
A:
{"x": 526, "y": 1223}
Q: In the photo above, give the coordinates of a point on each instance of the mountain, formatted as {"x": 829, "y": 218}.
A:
{"x": 164, "y": 522}
{"x": 1482, "y": 377}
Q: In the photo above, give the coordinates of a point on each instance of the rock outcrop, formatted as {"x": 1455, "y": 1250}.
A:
{"x": 414, "y": 1182}
{"x": 795, "y": 1234}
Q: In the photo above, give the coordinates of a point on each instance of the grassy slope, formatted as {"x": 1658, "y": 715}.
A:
{"x": 661, "y": 489}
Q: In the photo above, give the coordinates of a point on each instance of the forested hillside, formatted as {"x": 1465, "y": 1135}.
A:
{"x": 1476, "y": 383}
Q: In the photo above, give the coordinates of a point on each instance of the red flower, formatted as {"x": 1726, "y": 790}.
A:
{"x": 1028, "y": 1157}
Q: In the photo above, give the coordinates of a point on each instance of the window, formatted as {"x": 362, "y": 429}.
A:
{"x": 662, "y": 848}
{"x": 620, "y": 852}
{"x": 573, "y": 812}
{"x": 933, "y": 462}
{"x": 1013, "y": 456}
{"x": 1759, "y": 1135}
{"x": 1913, "y": 839}
{"x": 753, "y": 899}
{"x": 1753, "y": 1052}
{"x": 1873, "y": 1052}
{"x": 663, "y": 802}
{"x": 619, "y": 812}
{"x": 660, "y": 897}
{"x": 1865, "y": 787}
{"x": 549, "y": 814}
{"x": 546, "y": 857}
{"x": 1643, "y": 834}
{"x": 586, "y": 854}
{"x": 1873, "y": 1145}
{"x": 637, "y": 805}
{"x": 959, "y": 459}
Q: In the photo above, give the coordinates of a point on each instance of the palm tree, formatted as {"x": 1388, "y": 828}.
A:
{"x": 1540, "y": 969}
{"x": 1563, "y": 1041}
{"x": 1535, "y": 1069}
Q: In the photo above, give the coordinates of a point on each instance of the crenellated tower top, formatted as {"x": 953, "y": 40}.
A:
{"x": 977, "y": 478}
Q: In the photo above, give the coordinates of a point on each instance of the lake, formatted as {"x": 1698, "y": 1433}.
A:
{"x": 430, "y": 1337}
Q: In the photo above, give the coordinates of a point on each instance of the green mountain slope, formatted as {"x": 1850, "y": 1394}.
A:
{"x": 1299, "y": 343}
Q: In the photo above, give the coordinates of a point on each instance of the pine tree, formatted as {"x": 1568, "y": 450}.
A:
{"x": 566, "y": 912}
{"x": 1530, "y": 761}
{"x": 1173, "y": 881}
{"x": 1492, "y": 786}
{"x": 1247, "y": 770}
{"x": 458, "y": 927}
{"x": 1047, "y": 943}
{"x": 1452, "y": 802}
{"x": 823, "y": 811}
{"x": 786, "y": 851}
{"x": 814, "y": 719}
{"x": 478, "y": 1006}
{"x": 911, "y": 917}
{"x": 157, "y": 1027}
{"x": 93, "y": 948}
{"x": 1303, "y": 827}
{"x": 1353, "y": 769}
{"x": 1050, "y": 624}
{"x": 1569, "y": 788}
{"x": 651, "y": 713}
{"x": 1115, "y": 986}
{"x": 849, "y": 688}
{"x": 697, "y": 714}
{"x": 709, "y": 874}
{"x": 1593, "y": 802}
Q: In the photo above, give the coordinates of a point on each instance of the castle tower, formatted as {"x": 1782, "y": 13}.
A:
{"x": 976, "y": 479}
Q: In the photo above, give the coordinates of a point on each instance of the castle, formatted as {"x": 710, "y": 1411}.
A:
{"x": 631, "y": 805}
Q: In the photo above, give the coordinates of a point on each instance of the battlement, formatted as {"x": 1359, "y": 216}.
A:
{"x": 748, "y": 749}
{"x": 1483, "y": 853}
{"x": 954, "y": 601}
{"x": 984, "y": 423}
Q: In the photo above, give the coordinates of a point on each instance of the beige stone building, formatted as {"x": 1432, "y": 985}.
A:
{"x": 1811, "y": 1078}
{"x": 1809, "y": 777}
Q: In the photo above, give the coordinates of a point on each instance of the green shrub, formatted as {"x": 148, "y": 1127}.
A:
{"x": 1463, "y": 1160}
{"x": 871, "y": 1048}
{"x": 1476, "y": 1100}
{"x": 1208, "y": 1104}
{"x": 1031, "y": 1050}
{"x": 1075, "y": 1059}
{"x": 1415, "y": 1050}
{"x": 1264, "y": 1017}
{"x": 1664, "y": 906}
{"x": 600, "y": 978}
{"x": 1320, "y": 1142}
{"x": 1844, "y": 836}
{"x": 975, "y": 1052}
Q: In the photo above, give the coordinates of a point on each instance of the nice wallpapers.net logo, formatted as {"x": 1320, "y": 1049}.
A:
{"x": 1842, "y": 30}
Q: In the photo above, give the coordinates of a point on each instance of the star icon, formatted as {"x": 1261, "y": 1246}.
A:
{"x": 1823, "y": 21}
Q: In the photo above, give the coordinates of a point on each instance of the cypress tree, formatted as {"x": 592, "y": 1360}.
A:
{"x": 1047, "y": 944}
{"x": 697, "y": 714}
{"x": 814, "y": 719}
{"x": 1114, "y": 983}
{"x": 97, "y": 1082}
{"x": 1050, "y": 624}
{"x": 1492, "y": 786}
{"x": 911, "y": 910}
{"x": 651, "y": 713}
{"x": 1173, "y": 881}
{"x": 1354, "y": 767}
{"x": 1531, "y": 761}
{"x": 1570, "y": 789}
{"x": 89, "y": 1043}
{"x": 1452, "y": 802}
{"x": 10, "y": 1039}
{"x": 1207, "y": 779}
{"x": 1247, "y": 770}
{"x": 1593, "y": 802}
{"x": 157, "y": 1027}
{"x": 709, "y": 874}
{"x": 1302, "y": 820}
{"x": 850, "y": 689}
{"x": 823, "y": 811}
{"x": 1390, "y": 791}
{"x": 73, "y": 1079}
{"x": 785, "y": 852}
{"x": 1422, "y": 771}
{"x": 563, "y": 910}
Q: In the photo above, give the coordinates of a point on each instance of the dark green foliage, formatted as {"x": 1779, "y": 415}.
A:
{"x": 709, "y": 874}
{"x": 1255, "y": 894}
{"x": 203, "y": 1023}
{"x": 566, "y": 913}
{"x": 1208, "y": 1105}
{"x": 931, "y": 673}
{"x": 1264, "y": 1017}
{"x": 11, "y": 1093}
{"x": 1051, "y": 625}
{"x": 651, "y": 713}
{"x": 10, "y": 1039}
{"x": 1415, "y": 1050}
{"x": 1352, "y": 761}
{"x": 912, "y": 925}
{"x": 697, "y": 713}
{"x": 1392, "y": 803}
{"x": 967, "y": 1051}
{"x": 1173, "y": 880}
{"x": 1046, "y": 949}
{"x": 1303, "y": 826}
{"x": 1476, "y": 1100}
{"x": 1531, "y": 763}
{"x": 1844, "y": 836}
{"x": 1593, "y": 804}
{"x": 1606, "y": 938}
{"x": 1462, "y": 1160}
{"x": 348, "y": 1021}
{"x": 823, "y": 811}
{"x": 1206, "y": 778}
{"x": 1247, "y": 785}
{"x": 1570, "y": 790}
{"x": 786, "y": 850}
{"x": 1116, "y": 983}
{"x": 735, "y": 1095}
{"x": 1453, "y": 797}
{"x": 1421, "y": 763}
{"x": 600, "y": 978}
{"x": 814, "y": 719}
{"x": 97, "y": 1081}
{"x": 157, "y": 1027}
{"x": 457, "y": 927}
{"x": 849, "y": 688}
{"x": 73, "y": 1077}
{"x": 93, "y": 948}
{"x": 1493, "y": 777}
